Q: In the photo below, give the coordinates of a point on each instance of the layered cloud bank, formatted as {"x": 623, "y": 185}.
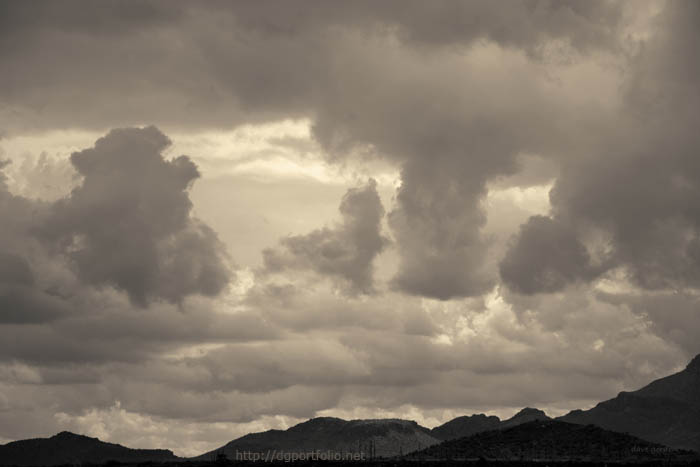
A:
{"x": 399, "y": 209}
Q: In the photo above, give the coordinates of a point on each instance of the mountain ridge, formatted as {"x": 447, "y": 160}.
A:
{"x": 665, "y": 411}
{"x": 386, "y": 437}
{"x": 373, "y": 437}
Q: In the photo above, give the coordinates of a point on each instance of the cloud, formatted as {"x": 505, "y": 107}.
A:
{"x": 344, "y": 252}
{"x": 672, "y": 315}
{"x": 21, "y": 298}
{"x": 218, "y": 63}
{"x": 15, "y": 270}
{"x": 128, "y": 224}
{"x": 126, "y": 230}
{"x": 633, "y": 197}
{"x": 545, "y": 257}
{"x": 437, "y": 224}
{"x": 303, "y": 308}
{"x": 449, "y": 143}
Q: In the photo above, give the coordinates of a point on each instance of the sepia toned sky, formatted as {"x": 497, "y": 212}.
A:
{"x": 223, "y": 217}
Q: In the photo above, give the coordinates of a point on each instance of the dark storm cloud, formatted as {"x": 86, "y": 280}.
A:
{"x": 21, "y": 304}
{"x": 129, "y": 223}
{"x": 546, "y": 257}
{"x": 449, "y": 143}
{"x": 206, "y": 64}
{"x": 584, "y": 25}
{"x": 345, "y": 252}
{"x": 15, "y": 270}
{"x": 635, "y": 196}
{"x": 436, "y": 223}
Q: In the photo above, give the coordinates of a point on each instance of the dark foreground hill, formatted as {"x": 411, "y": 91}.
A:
{"x": 373, "y": 438}
{"x": 69, "y": 448}
{"x": 550, "y": 440}
{"x": 666, "y": 411}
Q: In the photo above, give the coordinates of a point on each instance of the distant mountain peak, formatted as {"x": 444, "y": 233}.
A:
{"x": 466, "y": 425}
{"x": 529, "y": 412}
{"x": 694, "y": 364}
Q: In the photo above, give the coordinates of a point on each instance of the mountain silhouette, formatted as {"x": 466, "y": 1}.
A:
{"x": 468, "y": 425}
{"x": 549, "y": 440}
{"x": 379, "y": 438}
{"x": 69, "y": 448}
{"x": 526, "y": 415}
{"x": 665, "y": 411}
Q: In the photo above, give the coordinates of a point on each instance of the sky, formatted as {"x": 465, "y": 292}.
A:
{"x": 224, "y": 217}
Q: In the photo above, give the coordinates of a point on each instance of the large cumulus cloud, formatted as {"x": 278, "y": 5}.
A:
{"x": 125, "y": 231}
{"x": 128, "y": 224}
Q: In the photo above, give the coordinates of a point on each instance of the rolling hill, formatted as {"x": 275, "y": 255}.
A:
{"x": 69, "y": 448}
